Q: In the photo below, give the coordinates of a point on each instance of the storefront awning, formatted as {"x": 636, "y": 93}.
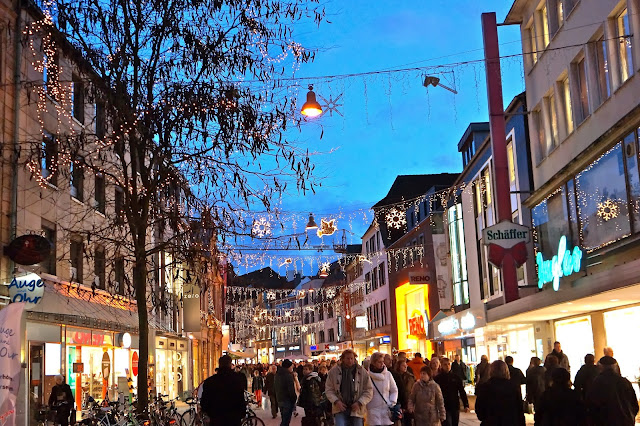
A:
{"x": 240, "y": 355}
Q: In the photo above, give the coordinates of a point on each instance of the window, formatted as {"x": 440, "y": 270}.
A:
{"x": 321, "y": 336}
{"x": 75, "y": 256}
{"x": 99, "y": 268}
{"x": 49, "y": 232}
{"x": 551, "y": 221}
{"x": 78, "y": 98}
{"x": 530, "y": 34}
{"x": 118, "y": 272}
{"x": 100, "y": 120}
{"x": 374, "y": 279}
{"x": 332, "y": 336}
{"x": 579, "y": 69}
{"x": 321, "y": 315}
{"x": 49, "y": 158}
{"x": 538, "y": 122}
{"x": 511, "y": 164}
{"x": 601, "y": 69}
{"x": 565, "y": 98}
{"x": 119, "y": 205}
{"x": 603, "y": 184}
{"x": 376, "y": 315}
{"x": 50, "y": 73}
{"x": 330, "y": 312}
{"x": 77, "y": 179}
{"x": 458, "y": 255}
{"x": 624, "y": 44}
{"x": 99, "y": 194}
{"x": 543, "y": 21}
{"x": 367, "y": 281}
{"x": 383, "y": 313}
{"x": 552, "y": 114}
{"x": 381, "y": 278}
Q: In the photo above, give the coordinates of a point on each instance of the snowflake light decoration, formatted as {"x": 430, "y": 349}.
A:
{"x": 396, "y": 219}
{"x": 287, "y": 261}
{"x": 327, "y": 227}
{"x": 332, "y": 105}
{"x": 271, "y": 295}
{"x": 331, "y": 292}
{"x": 261, "y": 227}
{"x": 608, "y": 210}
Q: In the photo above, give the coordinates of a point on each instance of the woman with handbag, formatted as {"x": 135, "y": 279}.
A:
{"x": 385, "y": 393}
{"x": 426, "y": 401}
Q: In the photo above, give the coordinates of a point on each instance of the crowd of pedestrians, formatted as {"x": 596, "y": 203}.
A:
{"x": 385, "y": 390}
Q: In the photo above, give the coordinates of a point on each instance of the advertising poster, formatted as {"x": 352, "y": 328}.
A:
{"x": 10, "y": 340}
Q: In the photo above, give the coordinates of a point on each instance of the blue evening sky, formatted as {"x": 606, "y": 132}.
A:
{"x": 392, "y": 124}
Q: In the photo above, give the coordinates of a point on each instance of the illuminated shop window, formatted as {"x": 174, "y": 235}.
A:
{"x": 458, "y": 256}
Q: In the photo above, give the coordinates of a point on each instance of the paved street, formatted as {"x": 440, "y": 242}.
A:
{"x": 469, "y": 419}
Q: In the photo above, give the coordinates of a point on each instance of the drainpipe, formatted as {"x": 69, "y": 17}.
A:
{"x": 16, "y": 128}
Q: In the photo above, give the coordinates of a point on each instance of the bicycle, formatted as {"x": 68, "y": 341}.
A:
{"x": 161, "y": 415}
{"x": 251, "y": 419}
{"x": 191, "y": 417}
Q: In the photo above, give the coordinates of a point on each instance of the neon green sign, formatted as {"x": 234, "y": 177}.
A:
{"x": 565, "y": 263}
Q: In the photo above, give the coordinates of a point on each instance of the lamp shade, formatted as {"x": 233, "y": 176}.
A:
{"x": 312, "y": 223}
{"x": 311, "y": 108}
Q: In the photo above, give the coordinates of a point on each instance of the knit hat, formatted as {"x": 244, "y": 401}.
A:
{"x": 287, "y": 363}
{"x": 607, "y": 360}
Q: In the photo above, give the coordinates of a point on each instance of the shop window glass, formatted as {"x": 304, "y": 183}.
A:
{"x": 602, "y": 69}
{"x": 458, "y": 256}
{"x": 625, "y": 45}
{"x": 550, "y": 222}
{"x": 582, "y": 102}
{"x": 631, "y": 157}
{"x": 602, "y": 200}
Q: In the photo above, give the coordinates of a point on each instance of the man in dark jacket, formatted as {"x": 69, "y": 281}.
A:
{"x": 285, "y": 391}
{"x": 452, "y": 392}
{"x": 515, "y": 374}
{"x": 498, "y": 402}
{"x": 560, "y": 405}
{"x": 586, "y": 375}
{"x": 270, "y": 390}
{"x": 223, "y": 395}
{"x": 459, "y": 368}
{"x": 310, "y": 396}
{"x": 61, "y": 399}
{"x": 611, "y": 400}
{"x": 563, "y": 360}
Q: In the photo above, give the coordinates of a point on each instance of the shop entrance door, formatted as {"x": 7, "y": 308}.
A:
{"x": 36, "y": 379}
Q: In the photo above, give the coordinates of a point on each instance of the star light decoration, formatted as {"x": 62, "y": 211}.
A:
{"x": 327, "y": 227}
{"x": 608, "y": 210}
{"x": 331, "y": 105}
{"x": 261, "y": 227}
{"x": 395, "y": 218}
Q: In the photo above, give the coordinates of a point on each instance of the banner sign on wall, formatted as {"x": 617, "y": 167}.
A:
{"x": 10, "y": 340}
{"x": 191, "y": 307}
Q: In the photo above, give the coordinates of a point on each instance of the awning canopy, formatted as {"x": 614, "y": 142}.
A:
{"x": 240, "y": 355}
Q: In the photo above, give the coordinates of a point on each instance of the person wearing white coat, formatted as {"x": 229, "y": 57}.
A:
{"x": 385, "y": 397}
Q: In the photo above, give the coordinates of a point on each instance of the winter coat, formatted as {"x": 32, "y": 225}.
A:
{"x": 460, "y": 369}
{"x": 563, "y": 360}
{"x": 60, "y": 394}
{"x": 427, "y": 404}
{"x": 311, "y": 395}
{"x": 378, "y": 408}
{"x": 284, "y": 387}
{"x": 404, "y": 382}
{"x": 498, "y": 403}
{"x": 223, "y": 397}
{"x": 452, "y": 391}
{"x": 535, "y": 383}
{"x": 257, "y": 383}
{"x": 560, "y": 406}
{"x": 611, "y": 400}
{"x": 517, "y": 377}
{"x": 482, "y": 372}
{"x": 416, "y": 365}
{"x": 268, "y": 383}
{"x": 584, "y": 378}
{"x": 363, "y": 389}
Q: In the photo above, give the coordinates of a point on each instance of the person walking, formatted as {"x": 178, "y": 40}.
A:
{"x": 310, "y": 397}
{"x": 426, "y": 402}
{"x": 416, "y": 364}
{"x": 349, "y": 390}
{"x": 223, "y": 395}
{"x": 285, "y": 391}
{"x": 270, "y": 390}
{"x": 560, "y": 405}
{"x": 452, "y": 391}
{"x": 563, "y": 360}
{"x": 550, "y": 364}
{"x": 586, "y": 375}
{"x": 460, "y": 369}
{"x": 482, "y": 370}
{"x": 257, "y": 385}
{"x": 435, "y": 366}
{"x": 611, "y": 400}
{"x": 498, "y": 401}
{"x": 515, "y": 374}
{"x": 535, "y": 381}
{"x": 385, "y": 394}
{"x": 61, "y": 399}
{"x": 404, "y": 381}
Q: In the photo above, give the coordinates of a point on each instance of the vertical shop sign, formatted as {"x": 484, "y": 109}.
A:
{"x": 10, "y": 342}
{"x": 191, "y": 306}
{"x": 134, "y": 364}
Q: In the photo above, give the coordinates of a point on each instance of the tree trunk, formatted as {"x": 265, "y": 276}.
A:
{"x": 140, "y": 286}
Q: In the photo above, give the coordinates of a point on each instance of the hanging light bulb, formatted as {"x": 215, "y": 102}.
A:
{"x": 311, "y": 108}
{"x": 312, "y": 223}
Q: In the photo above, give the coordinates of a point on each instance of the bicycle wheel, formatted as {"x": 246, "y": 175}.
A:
{"x": 252, "y": 421}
